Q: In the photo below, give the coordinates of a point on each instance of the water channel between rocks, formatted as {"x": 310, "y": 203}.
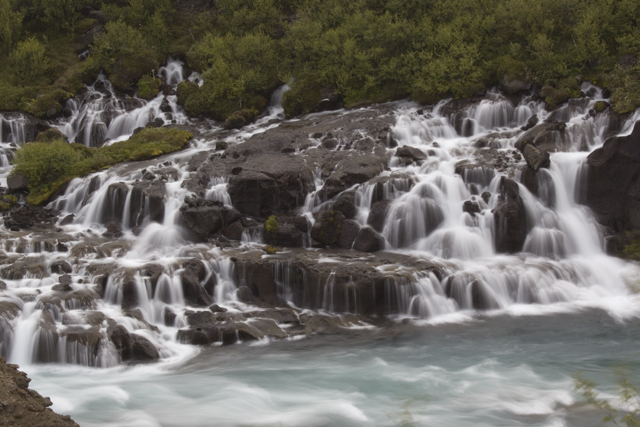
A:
{"x": 460, "y": 286}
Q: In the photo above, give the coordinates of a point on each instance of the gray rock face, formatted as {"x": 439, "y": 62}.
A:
{"x": 510, "y": 218}
{"x": 411, "y": 153}
{"x": 613, "y": 183}
{"x": 535, "y": 157}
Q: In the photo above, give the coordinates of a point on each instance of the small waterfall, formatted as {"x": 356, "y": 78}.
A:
{"x": 172, "y": 72}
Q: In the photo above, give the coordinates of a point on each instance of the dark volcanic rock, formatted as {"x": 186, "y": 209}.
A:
{"x": 204, "y": 218}
{"x": 24, "y": 407}
{"x": 411, "y": 153}
{"x": 613, "y": 183}
{"x": 147, "y": 197}
{"x": 378, "y": 214}
{"x": 346, "y": 203}
{"x": 328, "y": 227}
{"x": 368, "y": 240}
{"x": 510, "y": 218}
{"x": 535, "y": 157}
{"x": 270, "y": 184}
{"x": 350, "y": 230}
{"x": 192, "y": 276}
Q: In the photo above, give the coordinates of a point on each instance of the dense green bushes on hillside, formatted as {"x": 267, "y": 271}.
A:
{"x": 363, "y": 51}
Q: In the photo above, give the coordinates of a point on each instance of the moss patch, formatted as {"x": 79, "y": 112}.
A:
{"x": 271, "y": 224}
{"x": 50, "y": 165}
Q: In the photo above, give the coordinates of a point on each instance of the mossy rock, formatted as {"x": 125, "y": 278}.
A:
{"x": 600, "y": 106}
{"x": 270, "y": 250}
{"x": 148, "y": 87}
{"x": 81, "y": 74}
{"x": 48, "y": 105}
{"x": 564, "y": 90}
{"x": 240, "y": 118}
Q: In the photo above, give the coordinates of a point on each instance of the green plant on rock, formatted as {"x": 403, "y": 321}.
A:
{"x": 271, "y": 224}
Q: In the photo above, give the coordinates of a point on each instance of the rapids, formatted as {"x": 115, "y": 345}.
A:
{"x": 442, "y": 202}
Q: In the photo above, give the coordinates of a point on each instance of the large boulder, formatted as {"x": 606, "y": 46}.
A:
{"x": 535, "y": 157}
{"x": 613, "y": 183}
{"x": 328, "y": 227}
{"x": 368, "y": 240}
{"x": 547, "y": 136}
{"x": 510, "y": 218}
{"x": 204, "y": 218}
{"x": 270, "y": 184}
{"x": 346, "y": 203}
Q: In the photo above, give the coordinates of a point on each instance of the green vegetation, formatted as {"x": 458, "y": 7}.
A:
{"x": 271, "y": 224}
{"x": 358, "y": 52}
{"x": 148, "y": 87}
{"x": 270, "y": 250}
{"x": 627, "y": 396}
{"x": 7, "y": 201}
{"x": 50, "y": 165}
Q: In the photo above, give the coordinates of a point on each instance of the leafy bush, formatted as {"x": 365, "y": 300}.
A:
{"x": 49, "y": 165}
{"x": 148, "y": 87}
{"x": 10, "y": 26}
{"x": 125, "y": 53}
{"x": 29, "y": 60}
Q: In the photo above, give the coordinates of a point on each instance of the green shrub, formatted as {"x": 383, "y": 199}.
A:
{"x": 29, "y": 61}
{"x": 125, "y": 54}
{"x": 51, "y": 135}
{"x": 44, "y": 163}
{"x": 624, "y": 83}
{"x": 271, "y": 224}
{"x": 148, "y": 87}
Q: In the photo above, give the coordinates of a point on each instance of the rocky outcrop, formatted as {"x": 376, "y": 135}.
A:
{"x": 546, "y": 136}
{"x": 24, "y": 407}
{"x": 147, "y": 200}
{"x": 352, "y": 283}
{"x": 613, "y": 183}
{"x": 328, "y": 227}
{"x": 510, "y": 218}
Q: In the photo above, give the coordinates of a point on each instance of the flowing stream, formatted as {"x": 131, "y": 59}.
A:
{"x": 490, "y": 339}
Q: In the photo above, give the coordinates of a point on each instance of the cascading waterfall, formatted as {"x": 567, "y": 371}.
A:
{"x": 124, "y": 261}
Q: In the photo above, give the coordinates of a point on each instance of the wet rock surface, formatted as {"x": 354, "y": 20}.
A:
{"x": 613, "y": 186}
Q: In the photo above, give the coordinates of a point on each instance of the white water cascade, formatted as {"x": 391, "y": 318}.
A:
{"x": 121, "y": 263}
